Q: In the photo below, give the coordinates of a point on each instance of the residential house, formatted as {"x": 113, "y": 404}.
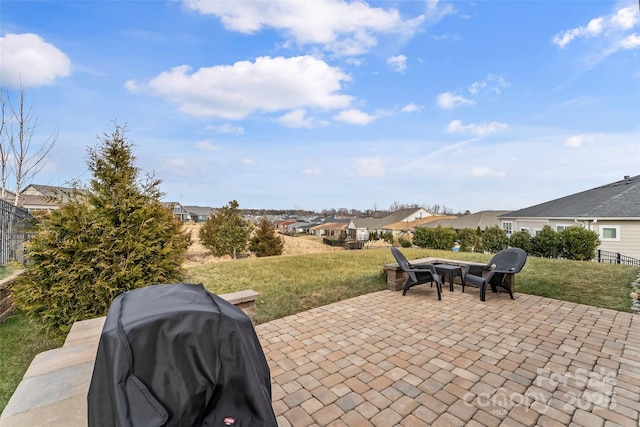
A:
{"x": 199, "y": 213}
{"x": 179, "y": 212}
{"x": 44, "y": 197}
{"x": 282, "y": 225}
{"x": 405, "y": 229}
{"x": 482, "y": 220}
{"x": 298, "y": 227}
{"x": 330, "y": 229}
{"x": 611, "y": 210}
{"x": 361, "y": 228}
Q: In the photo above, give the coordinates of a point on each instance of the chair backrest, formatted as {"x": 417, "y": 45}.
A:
{"x": 400, "y": 258}
{"x": 510, "y": 259}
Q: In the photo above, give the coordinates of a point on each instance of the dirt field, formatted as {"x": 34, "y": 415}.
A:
{"x": 197, "y": 254}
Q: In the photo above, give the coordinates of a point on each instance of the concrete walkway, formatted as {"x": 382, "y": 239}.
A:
{"x": 387, "y": 360}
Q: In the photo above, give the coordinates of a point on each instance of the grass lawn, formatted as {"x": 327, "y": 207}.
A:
{"x": 21, "y": 340}
{"x": 291, "y": 284}
{"x": 7, "y": 271}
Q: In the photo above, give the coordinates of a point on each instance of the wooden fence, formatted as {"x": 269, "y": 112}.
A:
{"x": 14, "y": 231}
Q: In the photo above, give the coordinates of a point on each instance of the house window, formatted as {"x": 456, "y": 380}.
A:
{"x": 507, "y": 226}
{"x": 561, "y": 227}
{"x": 610, "y": 233}
{"x": 525, "y": 229}
{"x": 536, "y": 231}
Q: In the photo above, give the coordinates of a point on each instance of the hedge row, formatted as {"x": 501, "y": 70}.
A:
{"x": 575, "y": 242}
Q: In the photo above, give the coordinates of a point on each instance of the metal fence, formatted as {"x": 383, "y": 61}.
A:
{"x": 14, "y": 231}
{"x": 615, "y": 258}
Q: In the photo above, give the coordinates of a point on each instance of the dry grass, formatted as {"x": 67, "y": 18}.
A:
{"x": 314, "y": 275}
{"x": 288, "y": 285}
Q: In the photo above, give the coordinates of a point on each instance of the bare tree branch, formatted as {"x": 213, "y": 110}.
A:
{"x": 19, "y": 155}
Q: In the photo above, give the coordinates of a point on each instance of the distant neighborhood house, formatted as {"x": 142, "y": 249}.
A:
{"x": 361, "y": 228}
{"x": 611, "y": 210}
{"x": 482, "y": 220}
{"x": 36, "y": 197}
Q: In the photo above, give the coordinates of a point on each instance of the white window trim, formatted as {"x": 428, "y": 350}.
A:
{"x": 564, "y": 226}
{"x": 608, "y": 239}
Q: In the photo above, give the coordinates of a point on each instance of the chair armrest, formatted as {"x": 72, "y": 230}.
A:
{"x": 422, "y": 267}
{"x": 476, "y": 270}
{"x": 509, "y": 270}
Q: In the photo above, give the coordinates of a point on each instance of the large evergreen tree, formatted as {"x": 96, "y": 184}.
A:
{"x": 116, "y": 238}
{"x": 225, "y": 232}
{"x": 265, "y": 241}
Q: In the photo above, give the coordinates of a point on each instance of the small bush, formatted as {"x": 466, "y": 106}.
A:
{"x": 546, "y": 243}
{"x": 494, "y": 239}
{"x": 387, "y": 236}
{"x": 434, "y": 238}
{"x": 265, "y": 241}
{"x": 521, "y": 239}
{"x": 578, "y": 243}
{"x": 470, "y": 240}
{"x": 405, "y": 243}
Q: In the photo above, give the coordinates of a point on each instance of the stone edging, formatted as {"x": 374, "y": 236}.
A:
{"x": 635, "y": 295}
{"x": 6, "y": 304}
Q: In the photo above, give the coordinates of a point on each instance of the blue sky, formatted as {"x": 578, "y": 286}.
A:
{"x": 338, "y": 104}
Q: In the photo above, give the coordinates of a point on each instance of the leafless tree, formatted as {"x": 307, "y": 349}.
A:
{"x": 20, "y": 156}
{"x": 4, "y": 145}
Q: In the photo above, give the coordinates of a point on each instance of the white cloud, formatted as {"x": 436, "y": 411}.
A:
{"x": 484, "y": 171}
{"x": 248, "y": 162}
{"x": 347, "y": 28}
{"x": 493, "y": 83}
{"x": 28, "y": 60}
{"x": 369, "y": 167}
{"x": 208, "y": 145}
{"x": 449, "y": 101}
{"x": 484, "y": 129}
{"x": 612, "y": 26}
{"x": 229, "y": 128}
{"x": 411, "y": 108}
{"x": 476, "y": 86}
{"x": 313, "y": 171}
{"x": 578, "y": 141}
{"x": 630, "y": 42}
{"x": 356, "y": 61}
{"x": 298, "y": 119}
{"x": 355, "y": 117}
{"x": 625, "y": 18}
{"x": 267, "y": 84}
{"x": 398, "y": 63}
{"x": 593, "y": 28}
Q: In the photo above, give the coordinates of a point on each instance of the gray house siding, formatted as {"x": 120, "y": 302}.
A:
{"x": 611, "y": 210}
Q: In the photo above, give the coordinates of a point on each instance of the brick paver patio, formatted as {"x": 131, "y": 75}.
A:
{"x": 387, "y": 360}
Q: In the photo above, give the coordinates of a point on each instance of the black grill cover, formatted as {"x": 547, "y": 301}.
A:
{"x": 177, "y": 355}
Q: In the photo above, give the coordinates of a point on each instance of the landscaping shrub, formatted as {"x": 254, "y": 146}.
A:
{"x": 265, "y": 241}
{"x": 405, "y": 243}
{"x": 494, "y": 239}
{"x": 116, "y": 238}
{"x": 387, "y": 236}
{"x": 578, "y": 243}
{"x": 546, "y": 243}
{"x": 470, "y": 240}
{"x": 434, "y": 238}
{"x": 521, "y": 239}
